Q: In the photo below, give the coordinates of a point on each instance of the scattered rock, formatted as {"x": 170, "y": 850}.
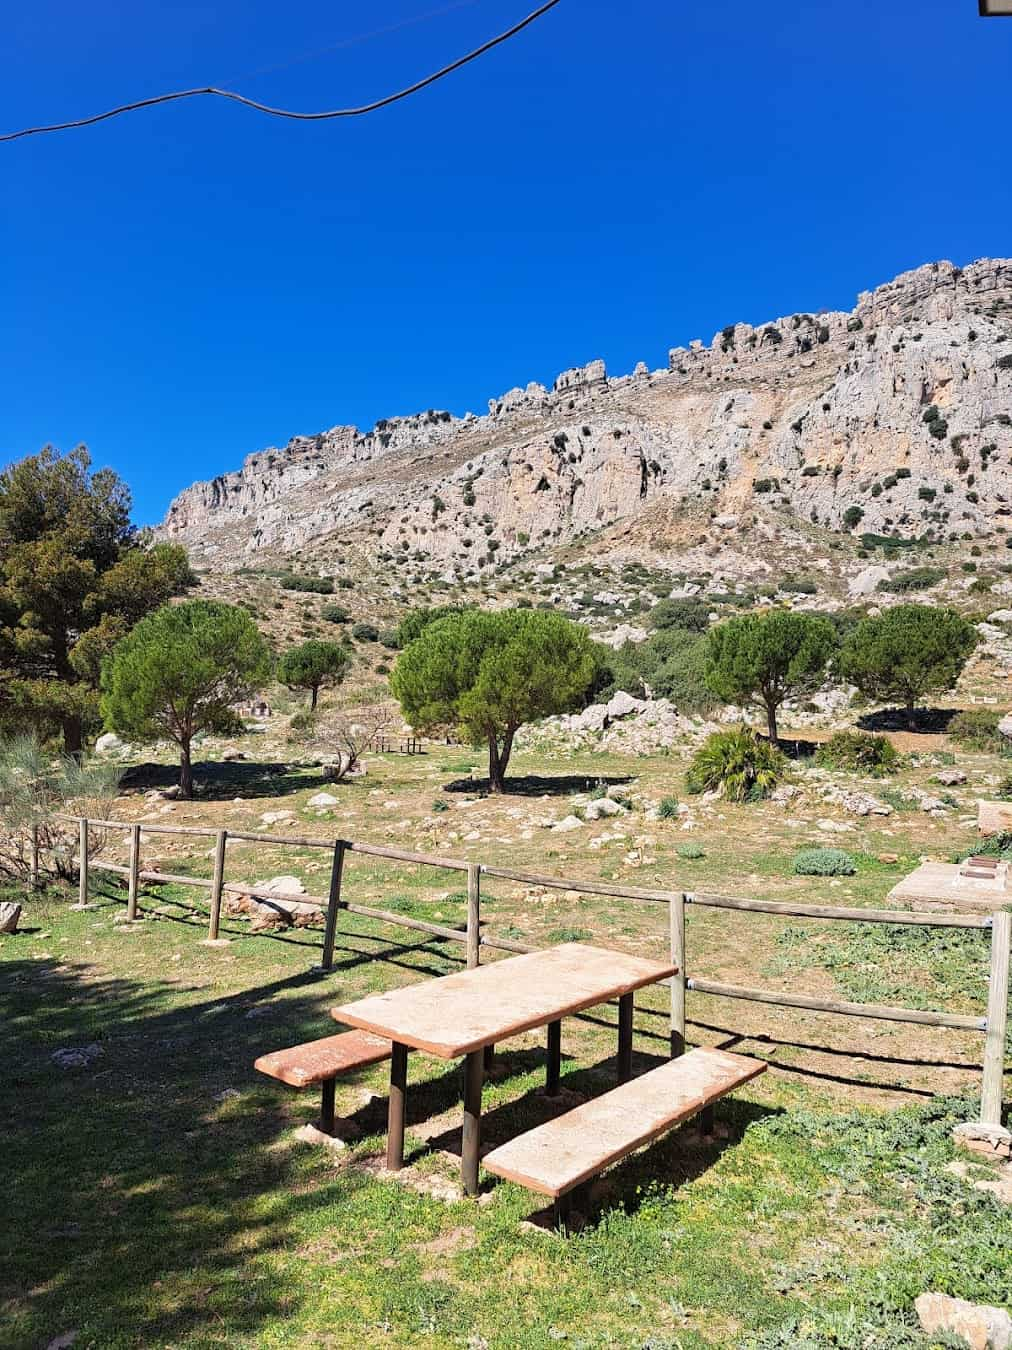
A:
{"x": 77, "y": 1056}
{"x": 949, "y": 777}
{"x": 834, "y": 826}
{"x": 275, "y": 817}
{"x": 990, "y": 1141}
{"x": 231, "y": 755}
{"x": 323, "y": 799}
{"x": 110, "y": 744}
{"x": 569, "y": 823}
{"x": 602, "y": 806}
{"x": 982, "y": 1327}
{"x": 10, "y": 913}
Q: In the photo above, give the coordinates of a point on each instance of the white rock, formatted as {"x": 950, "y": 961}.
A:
{"x": 569, "y": 823}
{"x": 602, "y": 806}
{"x": 322, "y": 799}
{"x": 834, "y": 826}
{"x": 110, "y": 744}
{"x": 283, "y": 885}
{"x": 1005, "y": 727}
{"x": 866, "y": 582}
{"x": 275, "y": 817}
{"x": 10, "y": 912}
{"x": 622, "y": 704}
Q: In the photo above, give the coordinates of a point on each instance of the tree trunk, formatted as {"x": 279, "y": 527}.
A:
{"x": 495, "y": 766}
{"x": 771, "y": 723}
{"x": 911, "y": 715}
{"x": 313, "y": 694}
{"x": 185, "y": 771}
{"x": 72, "y": 735}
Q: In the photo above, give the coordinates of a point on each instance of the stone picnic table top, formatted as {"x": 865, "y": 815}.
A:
{"x": 457, "y": 1014}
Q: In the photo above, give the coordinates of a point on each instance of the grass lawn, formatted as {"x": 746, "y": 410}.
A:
{"x": 158, "y": 1196}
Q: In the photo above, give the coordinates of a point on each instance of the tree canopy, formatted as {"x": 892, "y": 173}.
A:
{"x": 761, "y": 659}
{"x": 490, "y": 672}
{"x": 179, "y": 671}
{"x": 416, "y": 620}
{"x": 906, "y": 652}
{"x": 312, "y": 665}
{"x": 74, "y": 577}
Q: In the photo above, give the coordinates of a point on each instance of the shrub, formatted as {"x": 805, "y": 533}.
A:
{"x": 737, "y": 764}
{"x": 691, "y": 852}
{"x": 824, "y": 862}
{"x": 318, "y": 585}
{"x": 668, "y": 808}
{"x": 303, "y": 721}
{"x": 334, "y": 614}
{"x": 976, "y": 729}
{"x": 440, "y": 805}
{"x": 853, "y": 516}
{"x": 860, "y": 751}
{"x": 365, "y": 632}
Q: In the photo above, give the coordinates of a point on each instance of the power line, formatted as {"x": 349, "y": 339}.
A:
{"x": 286, "y": 112}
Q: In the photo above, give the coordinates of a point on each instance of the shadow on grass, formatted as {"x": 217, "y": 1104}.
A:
{"x": 927, "y": 721}
{"x": 221, "y": 781}
{"x": 144, "y": 1201}
{"x": 534, "y": 785}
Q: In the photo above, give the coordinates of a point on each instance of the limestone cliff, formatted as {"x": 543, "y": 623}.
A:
{"x": 900, "y": 410}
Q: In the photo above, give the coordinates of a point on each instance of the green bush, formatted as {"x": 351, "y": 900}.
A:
{"x": 365, "y": 632}
{"x": 977, "y": 729}
{"x": 913, "y": 579}
{"x": 691, "y": 852}
{"x": 318, "y": 585}
{"x": 668, "y": 808}
{"x": 334, "y": 614}
{"x": 824, "y": 862}
{"x": 303, "y": 721}
{"x": 737, "y": 764}
{"x": 860, "y": 751}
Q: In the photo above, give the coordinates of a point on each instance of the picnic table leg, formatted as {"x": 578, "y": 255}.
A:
{"x": 625, "y": 1036}
{"x": 395, "y": 1116}
{"x": 489, "y": 1058}
{"x": 327, "y": 1106}
{"x": 474, "y": 1073}
{"x": 553, "y": 1070}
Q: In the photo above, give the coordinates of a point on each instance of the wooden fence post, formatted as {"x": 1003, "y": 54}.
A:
{"x": 133, "y": 883}
{"x": 473, "y": 914}
{"x": 33, "y": 875}
{"x": 676, "y": 908}
{"x": 217, "y": 882}
{"x": 997, "y": 1019}
{"x": 333, "y": 904}
{"x": 82, "y": 862}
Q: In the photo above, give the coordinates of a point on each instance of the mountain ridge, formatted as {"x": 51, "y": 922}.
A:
{"x": 900, "y": 409}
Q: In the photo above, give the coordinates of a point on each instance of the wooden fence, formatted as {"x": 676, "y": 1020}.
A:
{"x": 993, "y": 1025}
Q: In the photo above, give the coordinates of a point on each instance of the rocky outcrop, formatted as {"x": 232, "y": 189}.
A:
{"x": 896, "y": 416}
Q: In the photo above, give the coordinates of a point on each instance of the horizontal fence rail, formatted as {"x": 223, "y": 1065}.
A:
{"x": 994, "y": 1024}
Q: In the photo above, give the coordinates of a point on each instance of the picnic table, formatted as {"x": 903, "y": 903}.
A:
{"x": 459, "y": 1015}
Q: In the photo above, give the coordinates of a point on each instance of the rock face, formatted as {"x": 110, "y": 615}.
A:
{"x": 900, "y": 409}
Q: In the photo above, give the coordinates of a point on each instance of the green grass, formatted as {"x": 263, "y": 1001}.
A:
{"x": 158, "y": 1198}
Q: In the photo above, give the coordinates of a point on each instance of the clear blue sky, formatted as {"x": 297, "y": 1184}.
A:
{"x": 187, "y": 284}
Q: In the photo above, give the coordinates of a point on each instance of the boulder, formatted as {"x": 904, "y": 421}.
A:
{"x": 77, "y": 1056}
{"x": 1000, "y": 616}
{"x": 1005, "y": 727}
{"x": 321, "y": 800}
{"x": 10, "y": 912}
{"x": 950, "y": 777}
{"x": 569, "y": 823}
{"x": 980, "y": 1325}
{"x": 622, "y": 704}
{"x": 283, "y": 885}
{"x": 602, "y": 806}
{"x": 867, "y": 580}
{"x": 110, "y": 744}
{"x": 275, "y": 817}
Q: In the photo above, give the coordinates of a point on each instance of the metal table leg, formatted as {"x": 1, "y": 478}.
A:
{"x": 625, "y": 1035}
{"x": 554, "y": 1068}
{"x": 395, "y": 1117}
{"x": 327, "y": 1106}
{"x": 474, "y": 1073}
